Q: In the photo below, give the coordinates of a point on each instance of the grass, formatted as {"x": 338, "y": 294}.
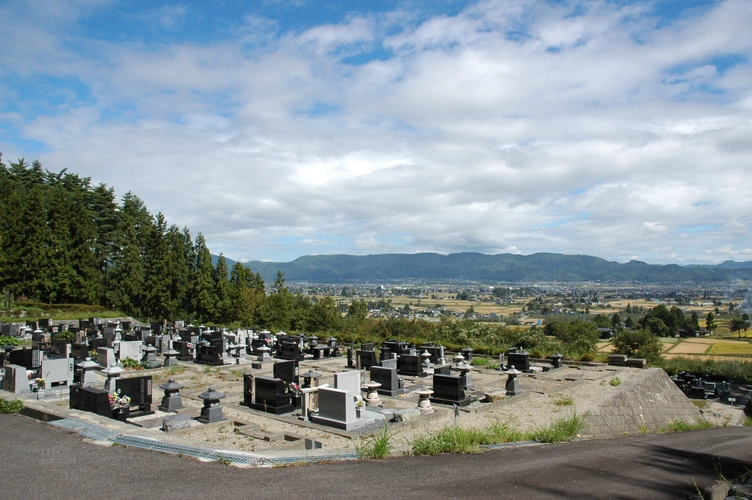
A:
{"x": 480, "y": 362}
{"x": 12, "y": 406}
{"x": 454, "y": 439}
{"x": 377, "y": 445}
{"x": 748, "y": 422}
{"x": 700, "y": 403}
{"x": 564, "y": 429}
{"x": 682, "y": 426}
{"x": 729, "y": 349}
{"x": 563, "y": 401}
{"x": 615, "y": 381}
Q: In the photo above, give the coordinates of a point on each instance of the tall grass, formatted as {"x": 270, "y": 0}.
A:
{"x": 454, "y": 439}
{"x": 377, "y": 445}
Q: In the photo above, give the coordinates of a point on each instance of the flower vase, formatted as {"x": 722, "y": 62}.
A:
{"x": 121, "y": 414}
{"x": 297, "y": 401}
{"x": 40, "y": 394}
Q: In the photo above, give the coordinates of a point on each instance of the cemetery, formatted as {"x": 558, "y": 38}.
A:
{"x": 258, "y": 392}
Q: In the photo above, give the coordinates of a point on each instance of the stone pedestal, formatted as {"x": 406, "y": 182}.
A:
{"x": 372, "y": 396}
{"x": 513, "y": 385}
{"x": 212, "y": 411}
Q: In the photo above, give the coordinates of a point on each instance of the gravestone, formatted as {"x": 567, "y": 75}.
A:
{"x": 390, "y": 383}
{"x": 105, "y": 357}
{"x": 15, "y": 380}
{"x": 287, "y": 371}
{"x": 90, "y": 399}
{"x": 25, "y": 358}
{"x": 271, "y": 396}
{"x": 389, "y": 363}
{"x": 337, "y": 409}
{"x": 449, "y": 390}
{"x": 410, "y": 364}
{"x": 520, "y": 360}
{"x": 348, "y": 381}
{"x": 131, "y": 349}
{"x": 139, "y": 389}
{"x": 366, "y": 359}
{"x": 57, "y": 371}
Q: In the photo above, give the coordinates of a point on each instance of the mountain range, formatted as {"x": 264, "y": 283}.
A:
{"x": 477, "y": 267}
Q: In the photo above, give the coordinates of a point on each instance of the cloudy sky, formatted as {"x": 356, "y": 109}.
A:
{"x": 620, "y": 129}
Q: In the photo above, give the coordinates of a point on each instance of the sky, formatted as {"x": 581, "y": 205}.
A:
{"x": 281, "y": 128}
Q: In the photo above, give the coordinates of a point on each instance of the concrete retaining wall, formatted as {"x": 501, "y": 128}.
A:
{"x": 648, "y": 402}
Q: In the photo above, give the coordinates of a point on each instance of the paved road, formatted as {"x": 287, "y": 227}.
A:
{"x": 39, "y": 461}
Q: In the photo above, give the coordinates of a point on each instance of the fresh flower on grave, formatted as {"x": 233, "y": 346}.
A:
{"x": 41, "y": 383}
{"x": 359, "y": 403}
{"x": 294, "y": 389}
{"x": 118, "y": 401}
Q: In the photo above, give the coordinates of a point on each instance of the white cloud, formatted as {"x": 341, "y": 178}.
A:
{"x": 510, "y": 127}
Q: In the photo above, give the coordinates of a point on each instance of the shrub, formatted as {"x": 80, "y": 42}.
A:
{"x": 615, "y": 381}
{"x": 130, "y": 363}
{"x": 480, "y": 362}
{"x": 8, "y": 340}
{"x": 13, "y": 406}
{"x": 739, "y": 371}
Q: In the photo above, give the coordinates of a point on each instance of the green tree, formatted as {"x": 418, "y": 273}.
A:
{"x": 158, "y": 302}
{"x": 222, "y": 290}
{"x": 710, "y": 322}
{"x": 638, "y": 344}
{"x": 203, "y": 298}
{"x": 247, "y": 295}
{"x": 737, "y": 325}
{"x": 277, "y": 309}
{"x": 357, "y": 310}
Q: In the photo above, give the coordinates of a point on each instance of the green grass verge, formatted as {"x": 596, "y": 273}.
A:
{"x": 455, "y": 439}
{"x": 682, "y": 426}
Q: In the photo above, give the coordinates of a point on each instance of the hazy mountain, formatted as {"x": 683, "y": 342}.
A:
{"x": 540, "y": 267}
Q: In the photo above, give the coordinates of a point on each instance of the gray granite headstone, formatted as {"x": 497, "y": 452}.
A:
{"x": 57, "y": 371}
{"x": 16, "y": 380}
{"x": 348, "y": 381}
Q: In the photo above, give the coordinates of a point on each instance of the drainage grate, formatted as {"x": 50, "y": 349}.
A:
{"x": 191, "y": 451}
{"x": 85, "y": 430}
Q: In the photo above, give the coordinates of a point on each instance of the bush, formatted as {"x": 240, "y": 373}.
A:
{"x": 638, "y": 344}
{"x": 13, "y": 406}
{"x": 130, "y": 363}
{"x": 738, "y": 371}
{"x": 8, "y": 340}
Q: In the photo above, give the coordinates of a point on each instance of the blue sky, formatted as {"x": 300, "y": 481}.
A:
{"x": 621, "y": 129}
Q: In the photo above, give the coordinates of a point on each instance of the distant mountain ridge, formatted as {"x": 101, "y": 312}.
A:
{"x": 539, "y": 267}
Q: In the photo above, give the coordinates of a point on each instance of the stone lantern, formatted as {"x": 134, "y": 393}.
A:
{"x": 170, "y": 357}
{"x": 467, "y": 352}
{"x": 112, "y": 372}
{"x": 172, "y": 400}
{"x": 212, "y": 411}
{"x": 88, "y": 376}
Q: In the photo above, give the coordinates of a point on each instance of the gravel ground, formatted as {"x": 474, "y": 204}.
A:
{"x": 546, "y": 397}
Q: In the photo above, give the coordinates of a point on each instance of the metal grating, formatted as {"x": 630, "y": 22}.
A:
{"x": 85, "y": 430}
{"x": 191, "y": 451}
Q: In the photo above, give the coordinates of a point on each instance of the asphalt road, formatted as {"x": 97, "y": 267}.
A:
{"x": 39, "y": 461}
